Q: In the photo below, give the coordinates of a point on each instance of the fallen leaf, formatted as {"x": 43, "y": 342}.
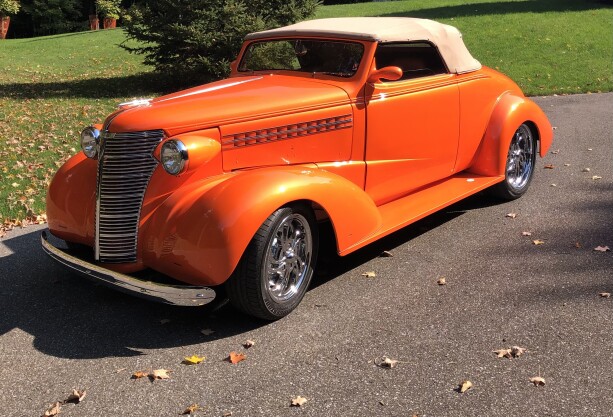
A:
{"x": 566, "y": 165}
{"x": 207, "y": 332}
{"x": 76, "y": 397}
{"x": 538, "y": 242}
{"x": 602, "y": 249}
{"x": 298, "y": 401}
{"x": 120, "y": 370}
{"x": 585, "y": 170}
{"x": 589, "y": 149}
{"x": 53, "y": 410}
{"x": 193, "y": 360}
{"x": 511, "y": 215}
{"x": 386, "y": 362}
{"x": 139, "y": 375}
{"x": 526, "y": 233}
{"x": 191, "y": 409}
{"x": 465, "y": 386}
{"x": 503, "y": 353}
{"x": 578, "y": 245}
{"x": 369, "y": 274}
{"x": 386, "y": 254}
{"x": 159, "y": 374}
{"x": 164, "y": 321}
{"x": 235, "y": 357}
{"x": 605, "y": 294}
{"x": 554, "y": 185}
{"x": 549, "y": 166}
{"x": 441, "y": 281}
{"x": 537, "y": 380}
{"x": 557, "y": 151}
{"x": 248, "y": 344}
{"x": 517, "y": 351}
{"x": 596, "y": 177}
{"x": 227, "y": 414}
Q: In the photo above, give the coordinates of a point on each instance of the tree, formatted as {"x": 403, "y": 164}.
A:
{"x": 8, "y": 7}
{"x": 54, "y": 16}
{"x": 195, "y": 40}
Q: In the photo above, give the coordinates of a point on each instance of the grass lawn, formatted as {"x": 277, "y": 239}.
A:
{"x": 51, "y": 87}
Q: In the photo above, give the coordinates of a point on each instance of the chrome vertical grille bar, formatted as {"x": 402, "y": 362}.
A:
{"x": 125, "y": 165}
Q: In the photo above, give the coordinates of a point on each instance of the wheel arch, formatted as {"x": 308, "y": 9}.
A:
{"x": 201, "y": 234}
{"x": 509, "y": 113}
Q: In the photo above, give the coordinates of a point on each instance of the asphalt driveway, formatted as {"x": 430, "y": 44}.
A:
{"x": 58, "y": 332}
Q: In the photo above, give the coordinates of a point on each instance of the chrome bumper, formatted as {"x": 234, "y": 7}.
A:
{"x": 180, "y": 295}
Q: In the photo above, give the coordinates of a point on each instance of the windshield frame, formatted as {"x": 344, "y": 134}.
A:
{"x": 247, "y": 48}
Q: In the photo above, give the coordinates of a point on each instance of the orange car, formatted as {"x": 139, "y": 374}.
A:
{"x": 369, "y": 123}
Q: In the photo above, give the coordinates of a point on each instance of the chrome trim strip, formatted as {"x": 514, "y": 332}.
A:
{"x": 294, "y": 130}
{"x": 179, "y": 295}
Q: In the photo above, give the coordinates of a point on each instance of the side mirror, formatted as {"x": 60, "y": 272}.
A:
{"x": 387, "y": 73}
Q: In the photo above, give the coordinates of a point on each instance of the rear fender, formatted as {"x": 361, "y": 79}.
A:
{"x": 200, "y": 233}
{"x": 509, "y": 113}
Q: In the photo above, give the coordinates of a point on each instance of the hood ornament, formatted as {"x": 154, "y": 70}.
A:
{"x": 140, "y": 102}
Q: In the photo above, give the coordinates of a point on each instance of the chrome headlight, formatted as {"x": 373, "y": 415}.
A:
{"x": 89, "y": 141}
{"x": 174, "y": 156}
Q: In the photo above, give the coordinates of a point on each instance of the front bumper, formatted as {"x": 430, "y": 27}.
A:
{"x": 181, "y": 295}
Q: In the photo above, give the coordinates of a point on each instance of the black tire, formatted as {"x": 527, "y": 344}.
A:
{"x": 282, "y": 252}
{"x": 519, "y": 167}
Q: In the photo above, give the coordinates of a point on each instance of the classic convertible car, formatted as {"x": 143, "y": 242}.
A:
{"x": 368, "y": 123}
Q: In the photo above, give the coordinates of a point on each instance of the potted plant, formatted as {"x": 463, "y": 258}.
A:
{"x": 109, "y": 10}
{"x": 7, "y": 7}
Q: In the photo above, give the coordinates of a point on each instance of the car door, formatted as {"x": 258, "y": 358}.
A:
{"x": 412, "y": 124}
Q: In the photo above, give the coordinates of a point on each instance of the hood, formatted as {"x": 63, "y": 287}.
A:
{"x": 228, "y": 101}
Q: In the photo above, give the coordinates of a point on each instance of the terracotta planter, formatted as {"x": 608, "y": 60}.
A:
{"x": 5, "y": 26}
{"x": 94, "y": 22}
{"x": 109, "y": 23}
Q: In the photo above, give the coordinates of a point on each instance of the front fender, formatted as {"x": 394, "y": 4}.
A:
{"x": 201, "y": 231}
{"x": 508, "y": 114}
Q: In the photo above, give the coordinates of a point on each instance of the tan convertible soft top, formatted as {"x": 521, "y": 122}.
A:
{"x": 385, "y": 29}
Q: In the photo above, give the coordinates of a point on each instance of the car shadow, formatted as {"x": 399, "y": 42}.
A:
{"x": 71, "y": 317}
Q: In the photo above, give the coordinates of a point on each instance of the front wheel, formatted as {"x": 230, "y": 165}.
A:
{"x": 276, "y": 269}
{"x": 519, "y": 166}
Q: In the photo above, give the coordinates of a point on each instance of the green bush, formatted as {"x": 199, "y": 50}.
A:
{"x": 8, "y": 7}
{"x": 109, "y": 8}
{"x": 195, "y": 40}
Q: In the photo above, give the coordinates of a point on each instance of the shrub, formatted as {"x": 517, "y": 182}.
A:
{"x": 195, "y": 40}
{"x": 8, "y": 7}
{"x": 109, "y": 8}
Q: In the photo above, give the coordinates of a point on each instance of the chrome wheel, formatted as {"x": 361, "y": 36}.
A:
{"x": 287, "y": 263}
{"x": 520, "y": 159}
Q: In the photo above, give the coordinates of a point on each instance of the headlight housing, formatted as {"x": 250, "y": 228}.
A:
{"x": 89, "y": 141}
{"x": 174, "y": 156}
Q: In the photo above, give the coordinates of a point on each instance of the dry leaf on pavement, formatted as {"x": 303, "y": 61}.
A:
{"x": 549, "y": 166}
{"x": 526, "y": 233}
{"x": 441, "y": 281}
{"x": 207, "y": 332}
{"x": 76, "y": 397}
{"x": 503, "y": 353}
{"x": 602, "y": 249}
{"x": 465, "y": 386}
{"x": 511, "y": 215}
{"x": 596, "y": 177}
{"x": 537, "y": 380}
{"x": 370, "y": 274}
{"x": 193, "y": 360}
{"x": 538, "y": 242}
{"x": 139, "y": 375}
{"x": 605, "y": 294}
{"x": 298, "y": 401}
{"x": 248, "y": 344}
{"x": 53, "y": 410}
{"x": 386, "y": 254}
{"x": 191, "y": 409}
{"x": 386, "y": 362}
{"x": 585, "y": 170}
{"x": 235, "y": 357}
{"x": 159, "y": 374}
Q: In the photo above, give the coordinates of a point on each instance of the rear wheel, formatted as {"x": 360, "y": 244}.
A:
{"x": 276, "y": 269}
{"x": 519, "y": 166}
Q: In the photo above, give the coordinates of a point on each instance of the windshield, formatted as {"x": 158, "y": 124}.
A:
{"x": 336, "y": 58}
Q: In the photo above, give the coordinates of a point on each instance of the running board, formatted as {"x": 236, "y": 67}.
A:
{"x": 415, "y": 206}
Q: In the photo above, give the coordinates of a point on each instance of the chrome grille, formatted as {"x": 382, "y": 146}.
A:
{"x": 125, "y": 166}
